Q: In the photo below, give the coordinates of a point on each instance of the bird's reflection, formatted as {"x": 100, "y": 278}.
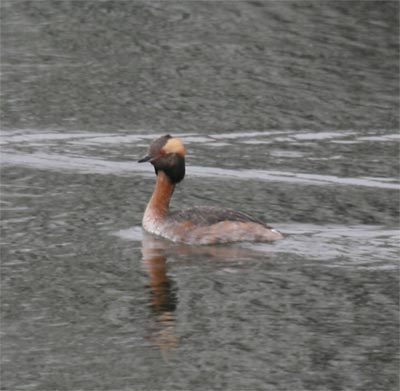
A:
{"x": 163, "y": 290}
{"x": 163, "y": 294}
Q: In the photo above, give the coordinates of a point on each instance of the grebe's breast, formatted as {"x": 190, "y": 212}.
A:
{"x": 209, "y": 225}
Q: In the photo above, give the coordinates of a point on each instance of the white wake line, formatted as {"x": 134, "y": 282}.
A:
{"x": 82, "y": 137}
{"x": 324, "y": 232}
{"x": 332, "y": 246}
{"x": 55, "y": 162}
{"x": 290, "y": 177}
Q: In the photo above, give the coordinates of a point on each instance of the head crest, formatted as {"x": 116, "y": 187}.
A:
{"x": 174, "y": 145}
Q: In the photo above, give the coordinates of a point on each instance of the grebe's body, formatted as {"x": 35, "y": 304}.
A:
{"x": 199, "y": 225}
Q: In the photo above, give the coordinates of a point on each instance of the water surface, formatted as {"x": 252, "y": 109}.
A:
{"x": 288, "y": 111}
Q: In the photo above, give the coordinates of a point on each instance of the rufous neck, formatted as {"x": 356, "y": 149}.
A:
{"x": 159, "y": 201}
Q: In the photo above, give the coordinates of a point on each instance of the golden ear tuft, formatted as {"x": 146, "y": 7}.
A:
{"x": 174, "y": 145}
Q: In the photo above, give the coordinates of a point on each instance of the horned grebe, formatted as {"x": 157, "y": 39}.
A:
{"x": 198, "y": 225}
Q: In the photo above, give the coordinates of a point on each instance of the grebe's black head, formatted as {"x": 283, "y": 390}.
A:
{"x": 167, "y": 154}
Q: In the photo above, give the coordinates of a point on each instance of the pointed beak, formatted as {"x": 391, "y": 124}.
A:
{"x": 147, "y": 158}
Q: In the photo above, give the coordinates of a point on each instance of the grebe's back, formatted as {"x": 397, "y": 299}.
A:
{"x": 208, "y": 215}
{"x": 198, "y": 225}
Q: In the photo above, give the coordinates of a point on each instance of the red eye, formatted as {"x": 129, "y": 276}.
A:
{"x": 159, "y": 154}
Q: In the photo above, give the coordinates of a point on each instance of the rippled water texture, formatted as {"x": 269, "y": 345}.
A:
{"x": 288, "y": 111}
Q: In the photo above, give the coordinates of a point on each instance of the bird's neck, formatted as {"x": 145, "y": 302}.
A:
{"x": 158, "y": 205}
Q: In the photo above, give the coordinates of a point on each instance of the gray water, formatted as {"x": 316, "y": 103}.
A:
{"x": 289, "y": 112}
